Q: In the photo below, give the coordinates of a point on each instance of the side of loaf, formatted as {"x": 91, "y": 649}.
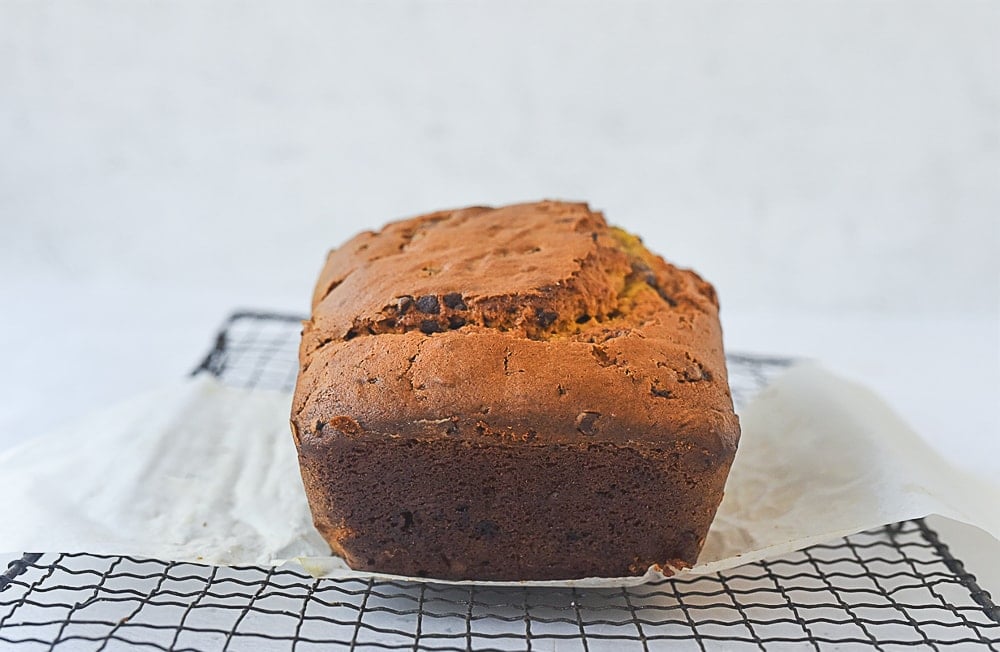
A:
{"x": 518, "y": 393}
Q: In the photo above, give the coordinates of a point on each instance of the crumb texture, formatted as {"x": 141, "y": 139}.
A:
{"x": 531, "y": 339}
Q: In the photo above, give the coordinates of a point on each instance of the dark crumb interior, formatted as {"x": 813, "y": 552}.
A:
{"x": 452, "y": 509}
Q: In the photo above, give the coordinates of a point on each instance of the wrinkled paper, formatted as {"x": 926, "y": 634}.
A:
{"x": 205, "y": 473}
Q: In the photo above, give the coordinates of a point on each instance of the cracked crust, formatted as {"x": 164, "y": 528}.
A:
{"x": 532, "y": 332}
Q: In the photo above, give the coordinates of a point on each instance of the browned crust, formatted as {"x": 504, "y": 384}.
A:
{"x": 533, "y": 333}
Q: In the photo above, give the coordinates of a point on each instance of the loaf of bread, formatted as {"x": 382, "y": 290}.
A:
{"x": 516, "y": 393}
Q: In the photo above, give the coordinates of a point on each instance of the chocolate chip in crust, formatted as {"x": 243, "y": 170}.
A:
{"x": 429, "y": 326}
{"x": 454, "y": 301}
{"x": 546, "y": 318}
{"x": 428, "y": 304}
{"x": 586, "y": 422}
{"x": 403, "y": 304}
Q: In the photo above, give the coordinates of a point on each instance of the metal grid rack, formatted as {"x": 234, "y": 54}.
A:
{"x": 888, "y": 588}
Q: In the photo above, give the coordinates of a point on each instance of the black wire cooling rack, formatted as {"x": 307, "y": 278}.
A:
{"x": 893, "y": 587}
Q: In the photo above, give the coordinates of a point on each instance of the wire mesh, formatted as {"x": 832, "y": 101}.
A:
{"x": 888, "y": 588}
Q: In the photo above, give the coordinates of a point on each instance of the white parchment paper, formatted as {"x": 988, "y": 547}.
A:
{"x": 205, "y": 473}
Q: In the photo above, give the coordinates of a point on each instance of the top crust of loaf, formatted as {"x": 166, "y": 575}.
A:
{"x": 527, "y": 323}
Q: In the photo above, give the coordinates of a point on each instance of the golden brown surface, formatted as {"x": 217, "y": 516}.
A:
{"x": 553, "y": 310}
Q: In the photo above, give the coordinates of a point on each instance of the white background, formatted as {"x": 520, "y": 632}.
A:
{"x": 834, "y": 168}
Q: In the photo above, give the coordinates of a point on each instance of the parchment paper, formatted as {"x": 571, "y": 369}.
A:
{"x": 204, "y": 473}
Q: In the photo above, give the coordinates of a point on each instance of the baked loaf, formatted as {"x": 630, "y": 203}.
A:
{"x": 518, "y": 393}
